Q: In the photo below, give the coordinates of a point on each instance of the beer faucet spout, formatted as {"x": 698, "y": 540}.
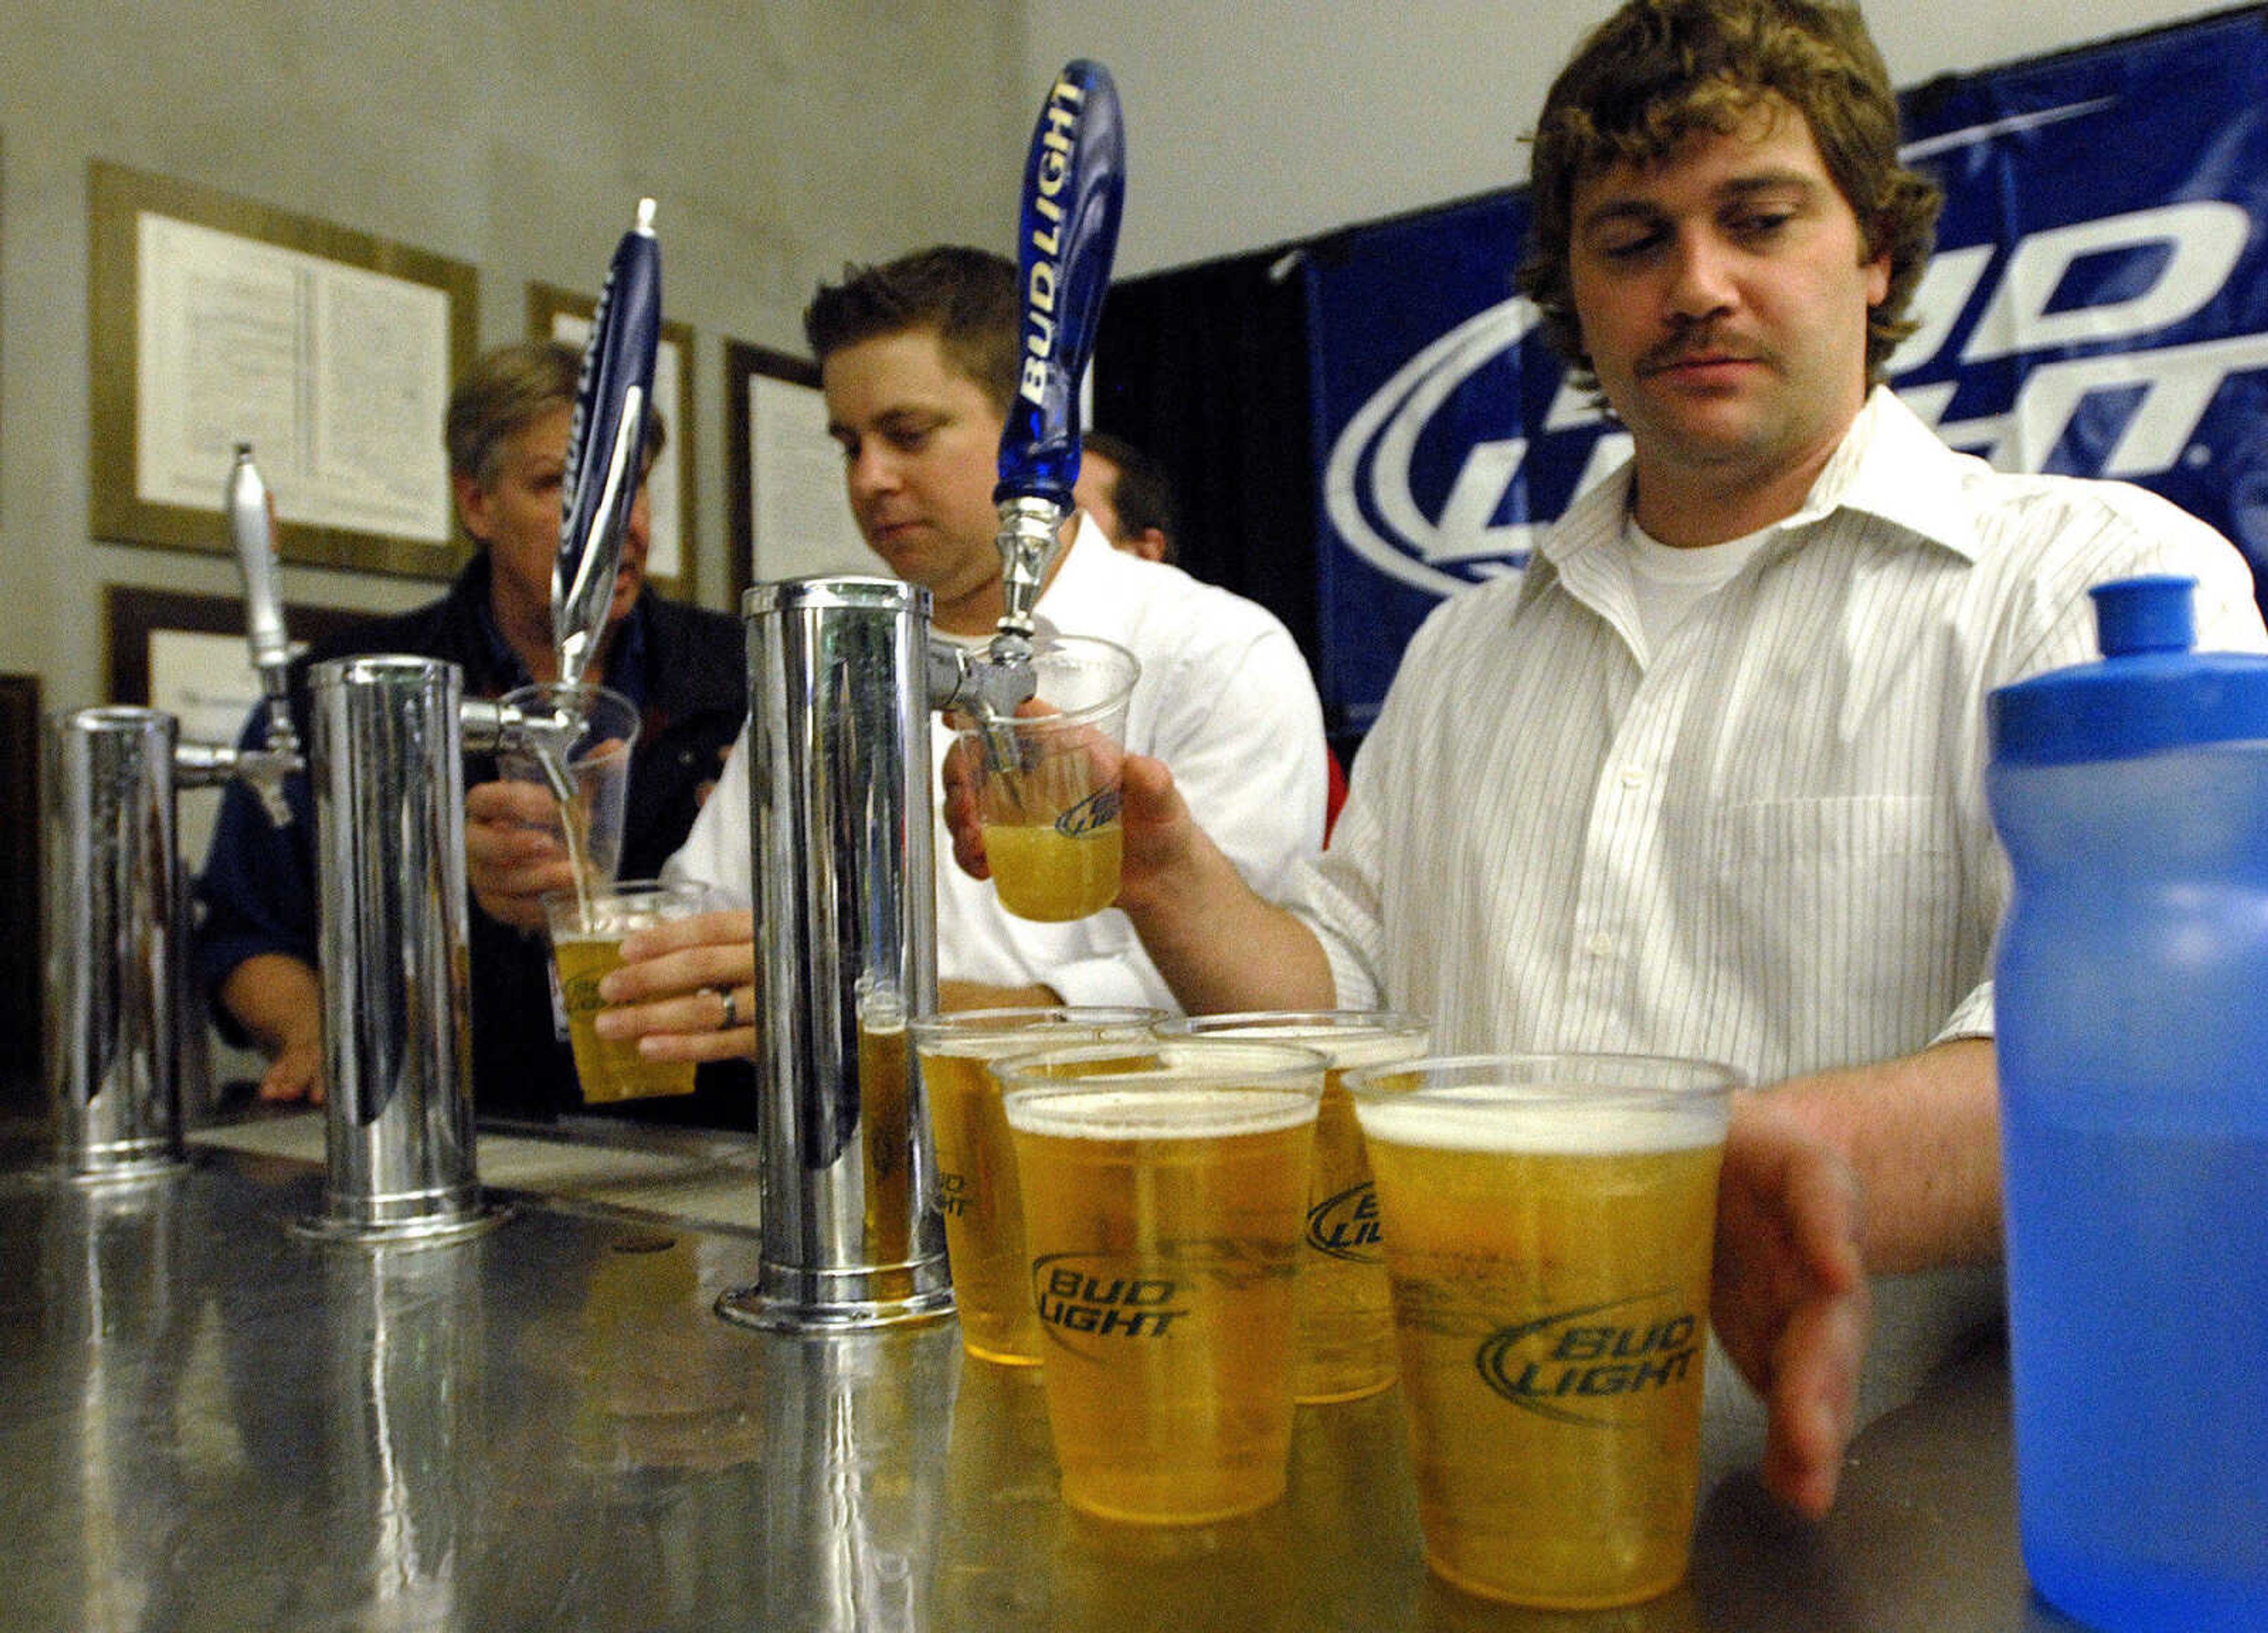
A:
{"x": 499, "y": 728}
{"x": 988, "y": 684}
{"x": 262, "y": 770}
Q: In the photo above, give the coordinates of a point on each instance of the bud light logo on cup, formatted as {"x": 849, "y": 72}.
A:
{"x": 1098, "y": 1299}
{"x": 1572, "y": 1366}
{"x": 2097, "y": 306}
{"x": 1346, "y": 1226}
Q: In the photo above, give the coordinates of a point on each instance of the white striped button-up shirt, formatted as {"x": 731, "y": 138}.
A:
{"x": 1766, "y": 843}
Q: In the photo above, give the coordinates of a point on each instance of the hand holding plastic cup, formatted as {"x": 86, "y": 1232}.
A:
{"x": 587, "y": 931}
{"x": 978, "y": 1191}
{"x": 1162, "y": 1203}
{"x": 1046, "y": 781}
{"x": 1346, "y": 1346}
{"x": 593, "y": 748}
{"x": 1549, "y": 1223}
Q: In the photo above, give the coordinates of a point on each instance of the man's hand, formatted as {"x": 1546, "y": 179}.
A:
{"x": 279, "y": 1000}
{"x": 514, "y": 854}
{"x": 669, "y": 992}
{"x": 960, "y": 812}
{"x": 296, "y": 1073}
{"x": 1157, "y": 831}
{"x": 1789, "y": 1298}
{"x": 1218, "y": 946}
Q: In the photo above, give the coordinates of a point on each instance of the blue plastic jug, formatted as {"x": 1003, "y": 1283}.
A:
{"x": 2132, "y": 999}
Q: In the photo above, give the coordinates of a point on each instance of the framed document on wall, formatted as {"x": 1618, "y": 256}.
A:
{"x": 214, "y": 321}
{"x": 562, "y": 314}
{"x": 186, "y": 654}
{"x": 784, "y": 474}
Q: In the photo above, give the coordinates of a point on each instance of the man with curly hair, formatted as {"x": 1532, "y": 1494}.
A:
{"x": 1708, "y": 780}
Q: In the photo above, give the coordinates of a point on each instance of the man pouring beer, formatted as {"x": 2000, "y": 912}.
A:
{"x": 1709, "y": 780}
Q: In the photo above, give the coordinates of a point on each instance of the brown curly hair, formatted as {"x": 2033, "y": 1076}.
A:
{"x": 1659, "y": 70}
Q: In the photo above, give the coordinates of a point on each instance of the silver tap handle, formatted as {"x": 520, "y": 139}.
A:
{"x": 252, "y": 526}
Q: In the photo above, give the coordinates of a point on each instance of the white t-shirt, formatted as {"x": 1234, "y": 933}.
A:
{"x": 1670, "y": 582}
{"x": 1224, "y": 699}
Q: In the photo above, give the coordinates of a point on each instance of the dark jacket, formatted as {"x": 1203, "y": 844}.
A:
{"x": 258, "y": 890}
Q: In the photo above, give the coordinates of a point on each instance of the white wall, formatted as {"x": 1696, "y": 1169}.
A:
{"x": 1250, "y": 124}
{"x": 781, "y": 137}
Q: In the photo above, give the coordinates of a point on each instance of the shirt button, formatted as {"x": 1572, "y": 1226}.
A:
{"x": 1599, "y": 944}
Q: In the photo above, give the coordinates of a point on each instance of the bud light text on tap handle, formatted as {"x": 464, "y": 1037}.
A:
{"x": 605, "y": 444}
{"x": 1074, "y": 188}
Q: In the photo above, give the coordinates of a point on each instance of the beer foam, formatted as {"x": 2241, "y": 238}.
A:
{"x": 1347, "y": 1047}
{"x": 1523, "y": 1121}
{"x": 1174, "y": 1112}
{"x": 611, "y": 921}
{"x": 991, "y": 1046}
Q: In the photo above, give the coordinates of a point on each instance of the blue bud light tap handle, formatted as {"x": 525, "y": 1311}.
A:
{"x": 1074, "y": 187}
{"x": 605, "y": 444}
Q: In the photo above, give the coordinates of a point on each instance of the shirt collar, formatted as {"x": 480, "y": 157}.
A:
{"x": 1892, "y": 466}
{"x": 1888, "y": 464}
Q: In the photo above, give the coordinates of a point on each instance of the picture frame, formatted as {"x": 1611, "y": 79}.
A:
{"x": 186, "y": 654}
{"x": 672, "y": 561}
{"x": 214, "y": 321}
{"x": 782, "y": 475}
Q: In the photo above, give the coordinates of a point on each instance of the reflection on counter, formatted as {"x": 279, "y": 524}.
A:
{"x": 210, "y": 1423}
{"x": 697, "y": 1178}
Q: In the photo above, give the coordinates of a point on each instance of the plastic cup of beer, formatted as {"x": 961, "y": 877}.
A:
{"x": 1549, "y": 1221}
{"x": 1046, "y": 781}
{"x": 1346, "y": 1347}
{"x": 1163, "y": 1197}
{"x": 591, "y": 746}
{"x": 587, "y": 931}
{"x": 978, "y": 1191}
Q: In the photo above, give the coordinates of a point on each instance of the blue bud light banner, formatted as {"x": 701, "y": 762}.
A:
{"x": 2097, "y": 306}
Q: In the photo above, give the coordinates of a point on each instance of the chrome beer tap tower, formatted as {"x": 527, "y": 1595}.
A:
{"x": 116, "y": 914}
{"x": 391, "y": 735}
{"x": 843, "y": 679}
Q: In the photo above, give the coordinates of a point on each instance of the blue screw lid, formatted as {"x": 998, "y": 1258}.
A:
{"x": 2150, "y": 692}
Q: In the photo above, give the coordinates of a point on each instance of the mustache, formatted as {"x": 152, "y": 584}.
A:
{"x": 1710, "y": 344}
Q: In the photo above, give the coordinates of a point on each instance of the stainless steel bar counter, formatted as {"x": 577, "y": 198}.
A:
{"x": 208, "y": 1420}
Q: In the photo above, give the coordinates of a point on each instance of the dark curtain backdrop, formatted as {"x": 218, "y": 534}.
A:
{"x": 1206, "y": 367}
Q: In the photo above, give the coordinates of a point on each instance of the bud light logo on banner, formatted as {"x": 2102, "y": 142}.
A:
{"x": 2097, "y": 306}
